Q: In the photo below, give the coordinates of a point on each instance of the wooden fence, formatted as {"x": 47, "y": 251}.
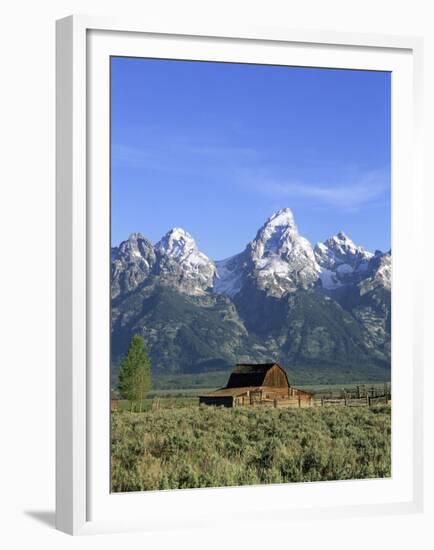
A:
{"x": 360, "y": 396}
{"x": 323, "y": 402}
{"x": 351, "y": 402}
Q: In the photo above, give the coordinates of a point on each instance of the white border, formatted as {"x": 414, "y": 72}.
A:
{"x": 83, "y": 500}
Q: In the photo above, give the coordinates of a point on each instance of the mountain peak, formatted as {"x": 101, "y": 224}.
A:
{"x": 177, "y": 243}
{"x": 341, "y": 260}
{"x": 136, "y": 246}
{"x": 137, "y": 237}
{"x": 342, "y": 244}
{"x": 283, "y": 217}
{"x": 182, "y": 264}
{"x": 278, "y": 233}
{"x": 283, "y": 260}
{"x": 178, "y": 233}
{"x": 339, "y": 239}
{"x": 342, "y": 236}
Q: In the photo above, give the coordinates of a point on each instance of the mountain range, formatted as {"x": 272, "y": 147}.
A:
{"x": 323, "y": 308}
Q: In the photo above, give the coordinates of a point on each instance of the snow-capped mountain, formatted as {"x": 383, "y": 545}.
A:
{"x": 132, "y": 263}
{"x": 326, "y": 307}
{"x": 341, "y": 261}
{"x": 175, "y": 260}
{"x": 180, "y": 262}
{"x": 283, "y": 260}
{"x": 378, "y": 273}
{"x": 279, "y": 260}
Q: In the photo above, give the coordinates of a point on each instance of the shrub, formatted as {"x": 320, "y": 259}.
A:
{"x": 215, "y": 447}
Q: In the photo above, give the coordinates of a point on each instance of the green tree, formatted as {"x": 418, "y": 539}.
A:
{"x": 135, "y": 373}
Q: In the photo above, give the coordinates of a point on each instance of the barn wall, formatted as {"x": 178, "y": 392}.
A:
{"x": 276, "y": 377}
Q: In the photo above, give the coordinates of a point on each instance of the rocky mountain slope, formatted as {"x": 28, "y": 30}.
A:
{"x": 278, "y": 260}
{"x": 322, "y": 307}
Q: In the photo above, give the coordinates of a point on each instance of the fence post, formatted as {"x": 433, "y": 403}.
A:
{"x": 322, "y": 401}
{"x": 367, "y": 399}
{"x": 299, "y": 400}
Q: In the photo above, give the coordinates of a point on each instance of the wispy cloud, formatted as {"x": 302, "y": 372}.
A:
{"x": 183, "y": 155}
{"x": 351, "y": 195}
{"x": 250, "y": 169}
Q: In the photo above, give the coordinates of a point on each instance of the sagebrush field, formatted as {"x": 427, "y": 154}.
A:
{"x": 194, "y": 447}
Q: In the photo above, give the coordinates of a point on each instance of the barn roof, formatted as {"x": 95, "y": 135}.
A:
{"x": 249, "y": 374}
{"x": 253, "y": 367}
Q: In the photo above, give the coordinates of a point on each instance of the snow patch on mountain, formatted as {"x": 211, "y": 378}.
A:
{"x": 176, "y": 243}
{"x": 228, "y": 276}
{"x": 181, "y": 263}
{"x": 329, "y": 279}
{"x": 341, "y": 261}
{"x": 344, "y": 269}
{"x": 282, "y": 259}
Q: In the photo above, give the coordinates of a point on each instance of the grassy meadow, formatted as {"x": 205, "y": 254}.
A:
{"x": 183, "y": 445}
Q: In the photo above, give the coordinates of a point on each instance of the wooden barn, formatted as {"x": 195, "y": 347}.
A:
{"x": 258, "y": 385}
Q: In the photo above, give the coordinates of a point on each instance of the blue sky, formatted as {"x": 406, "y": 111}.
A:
{"x": 216, "y": 148}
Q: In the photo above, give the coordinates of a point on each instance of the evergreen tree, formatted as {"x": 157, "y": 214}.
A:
{"x": 135, "y": 372}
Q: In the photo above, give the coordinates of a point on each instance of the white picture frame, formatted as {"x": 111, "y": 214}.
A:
{"x": 83, "y": 503}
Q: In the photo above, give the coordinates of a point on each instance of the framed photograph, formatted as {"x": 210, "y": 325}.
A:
{"x": 238, "y": 289}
